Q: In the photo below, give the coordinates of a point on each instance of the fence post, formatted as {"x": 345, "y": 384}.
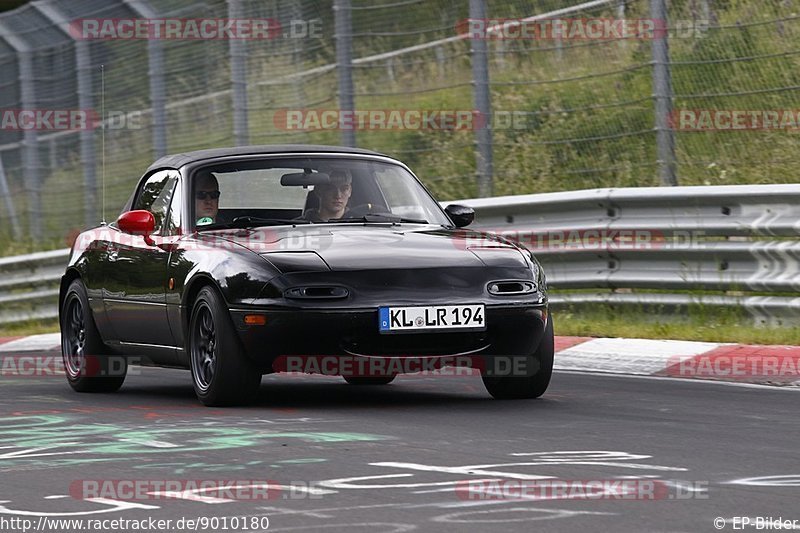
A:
{"x": 6, "y": 194}
{"x": 441, "y": 61}
{"x": 343, "y": 35}
{"x": 298, "y": 58}
{"x": 480, "y": 80}
{"x": 88, "y": 152}
{"x": 30, "y": 149}
{"x": 158, "y": 96}
{"x": 155, "y": 73}
{"x": 238, "y": 58}
{"x": 83, "y": 73}
{"x": 662, "y": 94}
{"x": 30, "y": 139}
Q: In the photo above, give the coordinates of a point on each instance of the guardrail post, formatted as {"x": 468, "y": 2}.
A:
{"x": 343, "y": 35}
{"x": 238, "y": 58}
{"x": 662, "y": 93}
{"x": 480, "y": 81}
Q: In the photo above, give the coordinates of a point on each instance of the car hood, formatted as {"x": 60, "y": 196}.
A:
{"x": 376, "y": 246}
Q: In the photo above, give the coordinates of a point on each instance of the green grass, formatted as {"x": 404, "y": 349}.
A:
{"x": 698, "y": 324}
{"x": 33, "y": 327}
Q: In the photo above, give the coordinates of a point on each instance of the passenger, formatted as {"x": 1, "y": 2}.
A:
{"x": 333, "y": 198}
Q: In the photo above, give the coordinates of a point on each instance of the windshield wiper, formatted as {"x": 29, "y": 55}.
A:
{"x": 375, "y": 217}
{"x": 251, "y": 222}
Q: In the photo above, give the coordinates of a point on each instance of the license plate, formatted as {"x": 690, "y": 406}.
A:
{"x": 393, "y": 319}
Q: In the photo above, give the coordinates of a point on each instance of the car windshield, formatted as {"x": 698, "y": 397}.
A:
{"x": 309, "y": 191}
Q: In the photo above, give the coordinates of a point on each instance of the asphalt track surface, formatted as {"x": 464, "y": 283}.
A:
{"x": 402, "y": 457}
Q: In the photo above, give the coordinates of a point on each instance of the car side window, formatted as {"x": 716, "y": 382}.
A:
{"x": 155, "y": 195}
{"x": 173, "y": 224}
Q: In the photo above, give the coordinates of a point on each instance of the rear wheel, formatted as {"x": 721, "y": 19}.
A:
{"x": 87, "y": 362}
{"x": 538, "y": 367}
{"x": 221, "y": 372}
{"x": 369, "y": 380}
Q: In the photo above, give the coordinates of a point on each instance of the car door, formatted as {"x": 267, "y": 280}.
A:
{"x": 135, "y": 298}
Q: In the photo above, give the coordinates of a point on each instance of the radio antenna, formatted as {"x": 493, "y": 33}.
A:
{"x": 103, "y": 137}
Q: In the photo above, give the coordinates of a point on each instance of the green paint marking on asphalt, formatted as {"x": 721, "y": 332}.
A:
{"x": 25, "y": 421}
{"x": 43, "y": 436}
{"x": 49, "y": 436}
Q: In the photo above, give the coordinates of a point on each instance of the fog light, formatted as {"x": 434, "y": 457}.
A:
{"x": 255, "y": 320}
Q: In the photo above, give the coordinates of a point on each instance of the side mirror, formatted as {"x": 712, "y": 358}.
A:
{"x": 461, "y": 215}
{"x": 138, "y": 222}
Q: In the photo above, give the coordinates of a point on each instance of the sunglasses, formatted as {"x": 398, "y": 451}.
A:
{"x": 202, "y": 195}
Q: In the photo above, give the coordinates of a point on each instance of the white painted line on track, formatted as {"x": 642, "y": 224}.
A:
{"x": 630, "y": 356}
{"x": 34, "y": 343}
{"x": 682, "y": 380}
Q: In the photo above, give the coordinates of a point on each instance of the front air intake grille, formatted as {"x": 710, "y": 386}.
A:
{"x": 511, "y": 287}
{"x": 316, "y": 293}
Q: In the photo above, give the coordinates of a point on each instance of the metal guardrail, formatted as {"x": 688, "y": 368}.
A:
{"x": 740, "y": 240}
{"x": 29, "y": 286}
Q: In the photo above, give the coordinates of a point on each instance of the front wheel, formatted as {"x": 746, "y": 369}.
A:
{"x": 221, "y": 372}
{"x": 538, "y": 367}
{"x": 87, "y": 362}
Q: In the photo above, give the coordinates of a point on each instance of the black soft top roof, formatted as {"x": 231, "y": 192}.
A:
{"x": 178, "y": 160}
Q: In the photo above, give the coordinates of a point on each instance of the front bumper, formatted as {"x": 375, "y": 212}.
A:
{"x": 510, "y": 330}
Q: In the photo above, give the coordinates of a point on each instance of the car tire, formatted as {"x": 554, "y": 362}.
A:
{"x": 533, "y": 386}
{"x": 369, "y": 380}
{"x": 222, "y": 374}
{"x": 87, "y": 363}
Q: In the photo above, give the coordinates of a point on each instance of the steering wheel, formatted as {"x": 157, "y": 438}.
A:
{"x": 362, "y": 209}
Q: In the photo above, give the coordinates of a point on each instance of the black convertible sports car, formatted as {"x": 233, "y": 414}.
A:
{"x": 240, "y": 262}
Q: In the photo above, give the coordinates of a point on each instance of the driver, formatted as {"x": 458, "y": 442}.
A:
{"x": 206, "y": 199}
{"x": 333, "y": 197}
